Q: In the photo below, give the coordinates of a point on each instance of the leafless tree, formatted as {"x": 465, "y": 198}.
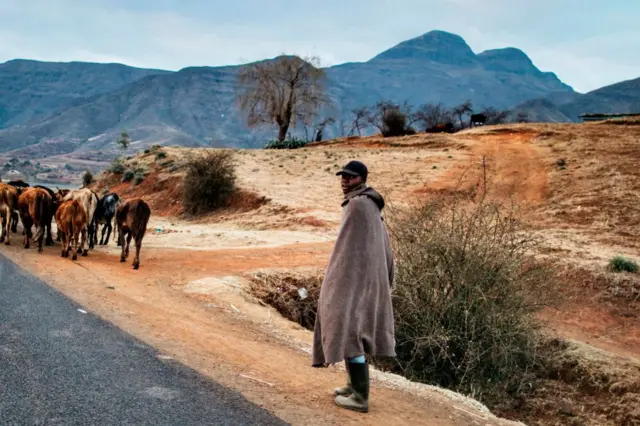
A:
{"x": 495, "y": 116}
{"x": 461, "y": 110}
{"x": 360, "y": 118}
{"x": 282, "y": 91}
{"x": 428, "y": 115}
{"x": 320, "y": 126}
{"x": 522, "y": 117}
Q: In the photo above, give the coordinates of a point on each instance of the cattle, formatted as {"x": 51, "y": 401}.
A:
{"x": 442, "y": 127}
{"x": 8, "y": 206}
{"x": 89, "y": 202}
{"x": 33, "y": 205}
{"x": 132, "y": 217}
{"x": 104, "y": 215}
{"x": 70, "y": 219}
{"x": 477, "y": 120}
{"x": 53, "y": 206}
{"x": 20, "y": 185}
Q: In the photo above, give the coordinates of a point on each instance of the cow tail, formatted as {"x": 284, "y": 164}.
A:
{"x": 40, "y": 208}
{"x": 141, "y": 219}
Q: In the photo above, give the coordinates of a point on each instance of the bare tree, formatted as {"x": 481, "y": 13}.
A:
{"x": 360, "y": 117}
{"x": 429, "y": 115}
{"x": 461, "y": 110}
{"x": 522, "y": 117}
{"x": 283, "y": 91}
{"x": 495, "y": 116}
{"x": 319, "y": 128}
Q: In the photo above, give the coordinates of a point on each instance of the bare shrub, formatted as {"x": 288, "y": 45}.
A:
{"x": 209, "y": 182}
{"x": 281, "y": 292}
{"x": 466, "y": 295}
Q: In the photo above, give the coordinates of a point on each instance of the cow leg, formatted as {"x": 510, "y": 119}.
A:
{"x": 109, "y": 231}
{"x": 136, "y": 260}
{"x": 129, "y": 236}
{"x": 5, "y": 230}
{"x": 123, "y": 256}
{"x": 49, "y": 241}
{"x": 63, "y": 250}
{"x": 14, "y": 221}
{"x": 40, "y": 232}
{"x": 27, "y": 232}
{"x": 83, "y": 245}
{"x": 104, "y": 232}
{"x": 75, "y": 246}
{"x": 92, "y": 228}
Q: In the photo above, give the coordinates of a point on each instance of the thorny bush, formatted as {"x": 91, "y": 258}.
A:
{"x": 467, "y": 291}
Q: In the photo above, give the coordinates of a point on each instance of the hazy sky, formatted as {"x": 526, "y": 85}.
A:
{"x": 587, "y": 43}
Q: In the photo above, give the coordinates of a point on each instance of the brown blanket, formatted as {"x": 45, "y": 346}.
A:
{"x": 355, "y": 315}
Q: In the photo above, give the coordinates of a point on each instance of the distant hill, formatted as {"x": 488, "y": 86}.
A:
{"x": 29, "y": 89}
{"x": 87, "y": 105}
{"x": 623, "y": 97}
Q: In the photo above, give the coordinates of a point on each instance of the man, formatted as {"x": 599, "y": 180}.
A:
{"x": 355, "y": 315}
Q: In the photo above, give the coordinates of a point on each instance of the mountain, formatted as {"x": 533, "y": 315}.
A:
{"x": 87, "y": 105}
{"x": 31, "y": 88}
{"x": 623, "y": 97}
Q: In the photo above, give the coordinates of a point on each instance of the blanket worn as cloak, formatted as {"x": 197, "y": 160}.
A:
{"x": 355, "y": 314}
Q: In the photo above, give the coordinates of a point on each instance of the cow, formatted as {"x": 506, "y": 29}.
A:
{"x": 8, "y": 206}
{"x": 20, "y": 185}
{"x": 52, "y": 207}
{"x": 104, "y": 215}
{"x": 89, "y": 202}
{"x": 132, "y": 217}
{"x": 70, "y": 219}
{"x": 477, "y": 120}
{"x": 442, "y": 127}
{"x": 33, "y": 205}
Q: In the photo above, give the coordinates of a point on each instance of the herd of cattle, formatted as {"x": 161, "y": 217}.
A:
{"x": 78, "y": 214}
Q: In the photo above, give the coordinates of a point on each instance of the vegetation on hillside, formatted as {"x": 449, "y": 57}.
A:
{"x": 209, "y": 183}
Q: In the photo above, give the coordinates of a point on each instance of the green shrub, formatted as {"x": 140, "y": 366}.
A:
{"x": 117, "y": 166}
{"x": 128, "y": 175}
{"x": 292, "y": 143}
{"x": 622, "y": 264}
{"x": 466, "y": 296}
{"x": 160, "y": 155}
{"x": 87, "y": 178}
{"x": 209, "y": 182}
{"x": 138, "y": 178}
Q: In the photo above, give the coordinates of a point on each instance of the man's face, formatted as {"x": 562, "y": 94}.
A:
{"x": 349, "y": 182}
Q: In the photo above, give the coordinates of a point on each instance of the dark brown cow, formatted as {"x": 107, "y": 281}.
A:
{"x": 132, "y": 217}
{"x": 8, "y": 204}
{"x": 33, "y": 205}
{"x": 70, "y": 219}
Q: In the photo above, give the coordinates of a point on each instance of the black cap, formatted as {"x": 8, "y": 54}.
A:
{"x": 354, "y": 168}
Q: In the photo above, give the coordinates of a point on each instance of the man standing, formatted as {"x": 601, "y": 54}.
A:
{"x": 355, "y": 314}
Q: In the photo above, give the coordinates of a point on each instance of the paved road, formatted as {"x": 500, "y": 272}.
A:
{"x": 59, "y": 366}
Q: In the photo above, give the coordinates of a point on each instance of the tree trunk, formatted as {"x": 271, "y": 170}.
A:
{"x": 282, "y": 135}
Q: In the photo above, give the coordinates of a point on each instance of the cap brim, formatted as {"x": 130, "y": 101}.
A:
{"x": 347, "y": 172}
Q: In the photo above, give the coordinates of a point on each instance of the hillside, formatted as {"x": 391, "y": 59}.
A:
{"x": 623, "y": 97}
{"x": 194, "y": 105}
{"x": 191, "y": 297}
{"x": 31, "y": 89}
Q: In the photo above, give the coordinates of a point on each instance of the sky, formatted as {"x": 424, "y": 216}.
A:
{"x": 587, "y": 43}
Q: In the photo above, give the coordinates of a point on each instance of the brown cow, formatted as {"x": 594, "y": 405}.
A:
{"x": 89, "y": 201}
{"x": 70, "y": 219}
{"x": 8, "y": 204}
{"x": 132, "y": 217}
{"x": 33, "y": 205}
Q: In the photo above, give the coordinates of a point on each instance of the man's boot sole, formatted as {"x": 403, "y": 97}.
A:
{"x": 357, "y": 409}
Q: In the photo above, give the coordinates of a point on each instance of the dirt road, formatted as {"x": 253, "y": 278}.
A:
{"x": 206, "y": 333}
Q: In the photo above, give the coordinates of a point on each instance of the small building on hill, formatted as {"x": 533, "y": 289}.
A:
{"x": 602, "y": 116}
